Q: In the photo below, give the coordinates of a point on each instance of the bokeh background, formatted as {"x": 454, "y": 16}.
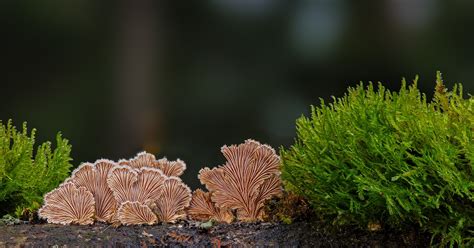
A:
{"x": 182, "y": 78}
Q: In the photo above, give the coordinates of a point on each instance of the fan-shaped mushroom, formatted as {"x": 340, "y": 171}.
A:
{"x": 68, "y": 204}
{"x": 143, "y": 159}
{"x": 94, "y": 178}
{"x": 119, "y": 192}
{"x": 175, "y": 197}
{"x": 249, "y": 177}
{"x": 135, "y": 213}
{"x": 128, "y": 184}
{"x": 202, "y": 208}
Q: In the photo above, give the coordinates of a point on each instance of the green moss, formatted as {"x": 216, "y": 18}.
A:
{"x": 8, "y": 220}
{"x": 376, "y": 156}
{"x": 25, "y": 175}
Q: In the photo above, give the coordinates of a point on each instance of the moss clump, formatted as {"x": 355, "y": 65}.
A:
{"x": 26, "y": 176}
{"x": 286, "y": 208}
{"x": 376, "y": 156}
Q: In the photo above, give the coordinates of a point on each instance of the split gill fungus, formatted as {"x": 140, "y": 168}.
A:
{"x": 145, "y": 191}
{"x": 121, "y": 192}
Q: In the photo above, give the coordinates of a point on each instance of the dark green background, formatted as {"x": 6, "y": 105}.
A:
{"x": 182, "y": 78}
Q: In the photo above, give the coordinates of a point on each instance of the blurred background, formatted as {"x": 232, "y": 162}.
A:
{"x": 182, "y": 78}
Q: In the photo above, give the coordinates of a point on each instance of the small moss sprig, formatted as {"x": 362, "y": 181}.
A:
{"x": 389, "y": 158}
{"x": 25, "y": 175}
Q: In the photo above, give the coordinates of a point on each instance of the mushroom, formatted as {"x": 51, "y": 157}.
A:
{"x": 137, "y": 186}
{"x": 175, "y": 197}
{"x": 120, "y": 192}
{"x": 149, "y": 185}
{"x": 94, "y": 178}
{"x": 120, "y": 181}
{"x": 202, "y": 208}
{"x": 144, "y": 159}
{"x": 171, "y": 168}
{"x": 128, "y": 184}
{"x": 135, "y": 213}
{"x": 249, "y": 177}
{"x": 68, "y": 204}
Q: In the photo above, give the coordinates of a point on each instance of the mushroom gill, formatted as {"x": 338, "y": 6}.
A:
{"x": 144, "y": 159}
{"x": 202, "y": 208}
{"x": 94, "y": 178}
{"x": 175, "y": 197}
{"x": 68, "y": 204}
{"x": 135, "y": 213}
{"x": 249, "y": 177}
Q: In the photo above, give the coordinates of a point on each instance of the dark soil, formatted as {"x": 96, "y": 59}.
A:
{"x": 189, "y": 234}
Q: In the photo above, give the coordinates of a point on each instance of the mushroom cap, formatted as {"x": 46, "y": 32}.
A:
{"x": 128, "y": 184}
{"x": 149, "y": 185}
{"x": 174, "y": 199}
{"x": 105, "y": 203}
{"x": 202, "y": 208}
{"x": 171, "y": 168}
{"x": 120, "y": 180}
{"x": 68, "y": 204}
{"x": 144, "y": 159}
{"x": 246, "y": 180}
{"x": 135, "y": 213}
{"x": 94, "y": 178}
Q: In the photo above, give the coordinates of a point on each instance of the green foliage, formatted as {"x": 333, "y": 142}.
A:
{"x": 376, "y": 156}
{"x": 8, "y": 220}
{"x": 26, "y": 176}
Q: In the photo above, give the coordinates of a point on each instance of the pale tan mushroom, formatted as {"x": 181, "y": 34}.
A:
{"x": 121, "y": 180}
{"x": 105, "y": 202}
{"x": 269, "y": 188}
{"x": 202, "y": 208}
{"x": 149, "y": 185}
{"x": 175, "y": 197}
{"x": 249, "y": 177}
{"x": 128, "y": 184}
{"x": 131, "y": 185}
{"x": 68, "y": 204}
{"x": 144, "y": 159}
{"x": 94, "y": 178}
{"x": 171, "y": 168}
{"x": 135, "y": 213}
{"x": 120, "y": 191}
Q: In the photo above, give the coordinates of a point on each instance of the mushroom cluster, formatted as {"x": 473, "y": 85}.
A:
{"x": 239, "y": 188}
{"x": 144, "y": 190}
{"x": 141, "y": 190}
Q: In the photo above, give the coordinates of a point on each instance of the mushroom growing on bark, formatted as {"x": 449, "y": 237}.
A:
{"x": 94, "y": 178}
{"x": 122, "y": 193}
{"x": 68, "y": 204}
{"x": 175, "y": 197}
{"x": 249, "y": 177}
{"x": 135, "y": 213}
{"x": 128, "y": 184}
{"x": 202, "y": 208}
{"x": 138, "y": 186}
{"x": 143, "y": 159}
